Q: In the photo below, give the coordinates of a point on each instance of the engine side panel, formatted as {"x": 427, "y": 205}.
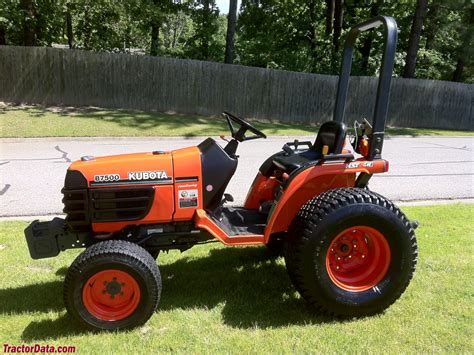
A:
{"x": 118, "y": 185}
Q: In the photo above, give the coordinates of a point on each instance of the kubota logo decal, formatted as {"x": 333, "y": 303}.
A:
{"x": 147, "y": 175}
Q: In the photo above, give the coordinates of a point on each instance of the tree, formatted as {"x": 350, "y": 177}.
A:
{"x": 68, "y": 20}
{"x": 432, "y": 25}
{"x": 3, "y": 31}
{"x": 231, "y": 25}
{"x": 338, "y": 21}
{"x": 367, "y": 43}
{"x": 414, "y": 41}
{"x": 329, "y": 16}
{"x": 29, "y": 33}
{"x": 203, "y": 44}
{"x": 465, "y": 51}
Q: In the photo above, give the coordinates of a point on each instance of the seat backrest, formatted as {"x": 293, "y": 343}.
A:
{"x": 332, "y": 134}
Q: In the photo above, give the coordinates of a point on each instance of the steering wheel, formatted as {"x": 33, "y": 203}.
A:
{"x": 244, "y": 126}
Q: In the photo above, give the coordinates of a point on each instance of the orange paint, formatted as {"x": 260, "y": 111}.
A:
{"x": 202, "y": 220}
{"x": 262, "y": 189}
{"x": 310, "y": 183}
{"x": 122, "y": 165}
{"x": 187, "y": 164}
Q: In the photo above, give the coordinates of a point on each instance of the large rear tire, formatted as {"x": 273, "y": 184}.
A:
{"x": 112, "y": 285}
{"x": 351, "y": 252}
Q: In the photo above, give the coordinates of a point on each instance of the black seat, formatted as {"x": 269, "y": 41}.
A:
{"x": 331, "y": 134}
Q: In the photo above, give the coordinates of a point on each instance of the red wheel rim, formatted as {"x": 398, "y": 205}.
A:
{"x": 358, "y": 258}
{"x": 111, "y": 295}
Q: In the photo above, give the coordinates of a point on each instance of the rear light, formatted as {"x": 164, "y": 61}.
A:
{"x": 364, "y": 147}
{"x": 386, "y": 166}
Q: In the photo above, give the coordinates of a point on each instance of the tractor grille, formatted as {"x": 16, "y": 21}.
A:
{"x": 108, "y": 205}
{"x": 76, "y": 209}
{"x": 84, "y": 207}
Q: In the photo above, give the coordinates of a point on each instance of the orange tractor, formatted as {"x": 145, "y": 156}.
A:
{"x": 349, "y": 251}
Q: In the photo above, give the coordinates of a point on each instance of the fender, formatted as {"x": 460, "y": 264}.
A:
{"x": 312, "y": 181}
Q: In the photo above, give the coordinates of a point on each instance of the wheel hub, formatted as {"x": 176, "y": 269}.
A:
{"x": 358, "y": 258}
{"x": 113, "y": 287}
{"x": 111, "y": 295}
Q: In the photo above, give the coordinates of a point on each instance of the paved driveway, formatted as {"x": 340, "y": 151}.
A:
{"x": 424, "y": 168}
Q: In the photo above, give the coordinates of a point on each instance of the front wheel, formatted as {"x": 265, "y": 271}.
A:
{"x": 112, "y": 285}
{"x": 351, "y": 252}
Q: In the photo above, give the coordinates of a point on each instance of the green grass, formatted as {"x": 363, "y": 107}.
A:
{"x": 37, "y": 121}
{"x": 233, "y": 300}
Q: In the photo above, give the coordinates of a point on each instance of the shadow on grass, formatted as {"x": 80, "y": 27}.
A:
{"x": 42, "y": 297}
{"x": 252, "y": 286}
{"x": 202, "y": 126}
{"x": 167, "y": 122}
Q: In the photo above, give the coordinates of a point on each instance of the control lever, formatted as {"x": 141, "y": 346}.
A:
{"x": 218, "y": 210}
{"x": 227, "y": 198}
{"x": 286, "y": 148}
{"x": 224, "y": 138}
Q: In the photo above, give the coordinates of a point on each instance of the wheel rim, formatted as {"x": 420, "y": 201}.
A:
{"x": 111, "y": 295}
{"x": 358, "y": 258}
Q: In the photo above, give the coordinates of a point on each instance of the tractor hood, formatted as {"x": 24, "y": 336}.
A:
{"x": 126, "y": 169}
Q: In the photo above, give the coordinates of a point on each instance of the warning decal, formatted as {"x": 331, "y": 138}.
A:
{"x": 188, "y": 198}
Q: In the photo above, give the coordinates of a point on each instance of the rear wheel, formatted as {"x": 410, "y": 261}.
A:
{"x": 351, "y": 252}
{"x": 112, "y": 285}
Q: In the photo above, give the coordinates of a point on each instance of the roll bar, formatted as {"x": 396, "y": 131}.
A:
{"x": 385, "y": 77}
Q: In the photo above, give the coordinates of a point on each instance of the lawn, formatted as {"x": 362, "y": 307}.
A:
{"x": 234, "y": 300}
{"x": 37, "y": 121}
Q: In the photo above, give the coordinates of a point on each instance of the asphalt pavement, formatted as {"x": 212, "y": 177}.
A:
{"x": 421, "y": 168}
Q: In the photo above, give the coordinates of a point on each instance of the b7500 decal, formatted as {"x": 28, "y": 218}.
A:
{"x": 106, "y": 178}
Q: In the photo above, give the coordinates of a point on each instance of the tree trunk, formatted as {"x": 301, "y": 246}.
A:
{"x": 414, "y": 41}
{"x": 205, "y": 39}
{"x": 432, "y": 24}
{"x": 458, "y": 72}
{"x": 338, "y": 18}
{"x": 87, "y": 29}
{"x": 329, "y": 16}
{"x": 465, "y": 51}
{"x": 155, "y": 33}
{"x": 69, "y": 33}
{"x": 3, "y": 40}
{"x": 367, "y": 45}
{"x": 231, "y": 24}
{"x": 313, "y": 33}
{"x": 29, "y": 35}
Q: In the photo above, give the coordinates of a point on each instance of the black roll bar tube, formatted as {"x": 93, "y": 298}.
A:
{"x": 385, "y": 78}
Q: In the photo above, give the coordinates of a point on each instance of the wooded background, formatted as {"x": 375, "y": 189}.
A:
{"x": 77, "y": 78}
{"x": 435, "y": 38}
